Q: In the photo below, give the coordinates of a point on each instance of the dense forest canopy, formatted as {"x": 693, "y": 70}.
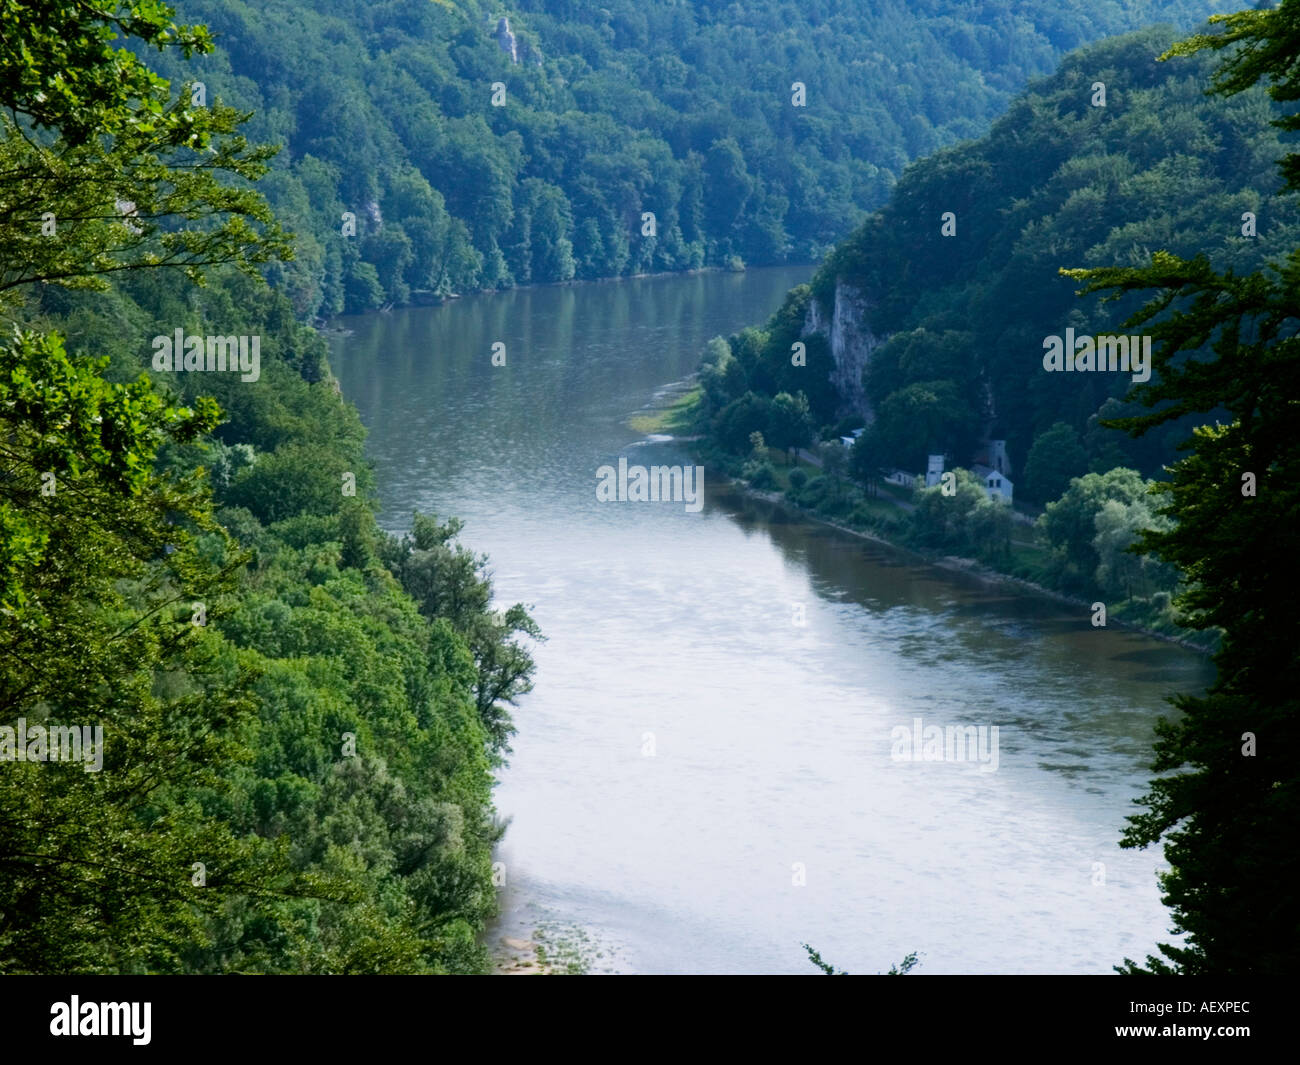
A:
{"x": 610, "y": 112}
{"x": 300, "y": 715}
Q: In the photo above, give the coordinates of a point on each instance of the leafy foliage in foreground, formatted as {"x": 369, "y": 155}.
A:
{"x": 297, "y": 762}
{"x": 901, "y": 969}
{"x": 1228, "y": 795}
{"x": 100, "y": 559}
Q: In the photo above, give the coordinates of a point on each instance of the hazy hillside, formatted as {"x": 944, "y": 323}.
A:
{"x": 611, "y": 111}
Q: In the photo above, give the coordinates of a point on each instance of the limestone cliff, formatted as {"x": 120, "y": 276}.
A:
{"x": 847, "y": 332}
{"x": 506, "y": 40}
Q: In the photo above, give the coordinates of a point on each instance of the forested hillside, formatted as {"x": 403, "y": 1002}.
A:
{"x": 300, "y": 716}
{"x": 950, "y": 328}
{"x": 610, "y": 112}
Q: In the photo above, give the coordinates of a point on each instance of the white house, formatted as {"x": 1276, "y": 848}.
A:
{"x": 934, "y": 471}
{"x": 998, "y": 485}
{"x": 849, "y": 441}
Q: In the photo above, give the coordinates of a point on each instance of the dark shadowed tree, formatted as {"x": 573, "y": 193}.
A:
{"x": 1227, "y": 799}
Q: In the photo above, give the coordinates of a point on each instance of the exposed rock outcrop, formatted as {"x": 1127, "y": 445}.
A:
{"x": 506, "y": 39}
{"x": 851, "y": 342}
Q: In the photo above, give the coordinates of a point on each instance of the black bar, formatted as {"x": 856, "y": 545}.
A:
{"x": 1046, "y": 1015}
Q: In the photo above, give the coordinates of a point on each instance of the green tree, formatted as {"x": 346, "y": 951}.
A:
{"x": 866, "y": 462}
{"x": 1069, "y": 524}
{"x": 925, "y": 418}
{"x": 116, "y": 175}
{"x": 103, "y": 563}
{"x": 61, "y": 68}
{"x": 722, "y": 376}
{"x": 835, "y": 461}
{"x": 727, "y": 188}
{"x": 1057, "y": 456}
{"x": 1121, "y": 571}
{"x": 362, "y": 289}
{"x": 450, "y": 582}
{"x": 790, "y": 424}
{"x": 965, "y": 521}
{"x": 732, "y": 425}
{"x": 1228, "y": 795}
{"x": 392, "y": 253}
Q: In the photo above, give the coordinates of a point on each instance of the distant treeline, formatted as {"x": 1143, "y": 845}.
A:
{"x": 611, "y": 112}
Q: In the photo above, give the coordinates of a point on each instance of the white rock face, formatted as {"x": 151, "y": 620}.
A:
{"x": 506, "y": 40}
{"x": 851, "y": 342}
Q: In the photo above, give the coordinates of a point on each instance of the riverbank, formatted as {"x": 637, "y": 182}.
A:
{"x": 671, "y": 412}
{"x": 956, "y": 564}
{"x": 674, "y": 412}
{"x": 425, "y": 298}
{"x": 555, "y": 948}
{"x": 520, "y": 957}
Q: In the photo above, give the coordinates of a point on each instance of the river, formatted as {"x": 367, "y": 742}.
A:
{"x": 699, "y": 784}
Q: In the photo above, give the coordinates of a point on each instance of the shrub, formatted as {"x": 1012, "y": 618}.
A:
{"x": 760, "y": 475}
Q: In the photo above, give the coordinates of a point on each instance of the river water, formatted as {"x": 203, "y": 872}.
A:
{"x": 699, "y": 783}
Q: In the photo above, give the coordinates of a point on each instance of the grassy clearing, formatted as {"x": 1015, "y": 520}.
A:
{"x": 677, "y": 418}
